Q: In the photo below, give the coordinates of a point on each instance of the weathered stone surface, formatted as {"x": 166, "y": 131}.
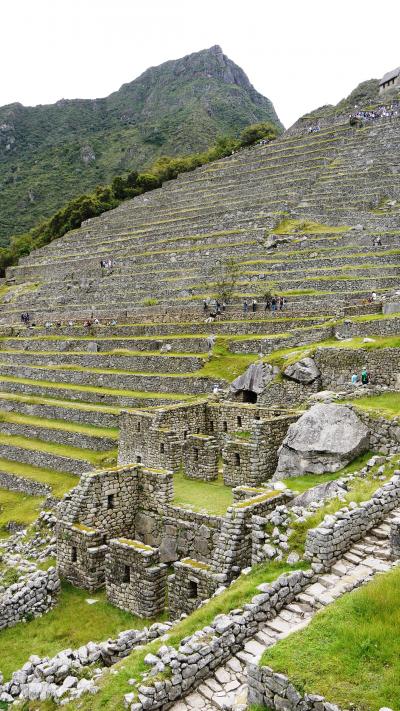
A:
{"x": 303, "y": 371}
{"x": 255, "y": 379}
{"x": 324, "y": 439}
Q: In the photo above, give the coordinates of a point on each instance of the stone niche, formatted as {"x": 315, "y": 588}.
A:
{"x": 191, "y": 583}
{"x": 135, "y": 578}
{"x": 200, "y": 457}
{"x": 81, "y": 554}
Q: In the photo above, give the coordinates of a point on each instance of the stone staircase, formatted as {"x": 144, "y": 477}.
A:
{"x": 227, "y": 689}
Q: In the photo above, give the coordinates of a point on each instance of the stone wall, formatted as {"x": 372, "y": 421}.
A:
{"x": 328, "y": 542}
{"x": 275, "y": 691}
{"x": 338, "y": 364}
{"x": 135, "y": 579}
{"x": 178, "y": 533}
{"x": 191, "y": 584}
{"x": 207, "y": 649}
{"x": 384, "y": 433}
{"x": 27, "y": 486}
{"x": 200, "y": 457}
{"x": 105, "y": 500}
{"x": 253, "y": 460}
{"x": 81, "y": 553}
{"x": 29, "y": 598}
{"x": 233, "y": 549}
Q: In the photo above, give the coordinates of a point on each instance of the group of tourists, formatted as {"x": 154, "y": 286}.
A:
{"x": 106, "y": 263}
{"x": 362, "y": 379}
{"x": 377, "y": 242}
{"x": 213, "y": 309}
{"x": 314, "y": 128}
{"x": 392, "y": 111}
{"x": 25, "y": 318}
{"x": 273, "y": 303}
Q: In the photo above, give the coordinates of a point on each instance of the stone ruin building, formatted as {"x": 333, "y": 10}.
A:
{"x": 119, "y": 527}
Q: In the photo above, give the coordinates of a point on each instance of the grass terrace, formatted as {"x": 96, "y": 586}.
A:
{"x": 360, "y": 489}
{"x": 211, "y": 497}
{"x": 21, "y": 508}
{"x": 113, "y": 686}
{"x": 59, "y": 482}
{"x": 97, "y": 459}
{"x": 58, "y": 629}
{"x": 385, "y": 405}
{"x": 350, "y": 652}
{"x": 91, "y": 430}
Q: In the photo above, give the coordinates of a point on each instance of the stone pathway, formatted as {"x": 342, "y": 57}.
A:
{"x": 227, "y": 688}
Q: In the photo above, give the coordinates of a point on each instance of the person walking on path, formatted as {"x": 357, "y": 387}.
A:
{"x": 245, "y": 307}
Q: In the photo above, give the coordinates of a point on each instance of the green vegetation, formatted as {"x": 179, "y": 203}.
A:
{"x": 97, "y": 459}
{"x": 114, "y": 686}
{"x": 58, "y": 629}
{"x": 17, "y": 507}
{"x": 212, "y": 497}
{"x": 289, "y": 226}
{"x": 358, "y": 490}
{"x": 108, "y": 197}
{"x": 90, "y": 430}
{"x": 350, "y": 652}
{"x": 59, "y": 482}
{"x": 385, "y": 405}
{"x": 223, "y": 364}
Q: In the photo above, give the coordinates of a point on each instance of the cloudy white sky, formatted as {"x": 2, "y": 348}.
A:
{"x": 299, "y": 53}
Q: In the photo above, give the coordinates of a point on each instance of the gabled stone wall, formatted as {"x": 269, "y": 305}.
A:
{"x": 135, "y": 579}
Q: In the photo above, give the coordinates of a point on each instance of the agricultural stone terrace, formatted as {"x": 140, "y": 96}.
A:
{"x": 160, "y": 429}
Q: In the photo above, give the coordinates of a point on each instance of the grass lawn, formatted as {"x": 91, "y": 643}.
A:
{"x": 386, "y": 405}
{"x": 71, "y": 623}
{"x": 97, "y": 459}
{"x": 15, "y": 506}
{"x": 350, "y": 652}
{"x": 303, "y": 483}
{"x": 359, "y": 490}
{"x": 213, "y": 497}
{"x": 52, "y": 424}
{"x": 60, "y": 482}
{"x": 114, "y": 686}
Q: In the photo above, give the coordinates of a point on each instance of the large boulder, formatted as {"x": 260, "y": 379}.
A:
{"x": 324, "y": 439}
{"x": 303, "y": 371}
{"x": 254, "y": 380}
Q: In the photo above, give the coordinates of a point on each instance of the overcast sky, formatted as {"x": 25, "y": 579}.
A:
{"x": 300, "y": 53}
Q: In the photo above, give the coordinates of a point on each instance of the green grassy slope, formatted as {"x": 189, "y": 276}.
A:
{"x": 49, "y": 154}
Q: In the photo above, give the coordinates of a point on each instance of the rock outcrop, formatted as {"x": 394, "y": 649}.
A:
{"x": 324, "y": 439}
{"x": 254, "y": 379}
{"x": 303, "y": 371}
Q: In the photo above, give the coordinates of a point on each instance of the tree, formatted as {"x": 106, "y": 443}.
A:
{"x": 266, "y": 289}
{"x": 258, "y": 131}
{"x": 225, "y": 278}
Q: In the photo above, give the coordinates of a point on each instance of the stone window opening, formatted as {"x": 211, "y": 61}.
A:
{"x": 74, "y": 554}
{"x": 138, "y": 427}
{"x": 192, "y": 590}
{"x": 110, "y": 501}
{"x": 211, "y": 425}
{"x": 162, "y": 448}
{"x": 138, "y": 459}
{"x": 248, "y": 396}
{"x": 225, "y": 426}
{"x": 196, "y": 454}
{"x": 239, "y": 421}
{"x": 237, "y": 459}
{"x": 126, "y": 576}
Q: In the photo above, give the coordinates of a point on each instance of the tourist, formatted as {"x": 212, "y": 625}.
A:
{"x": 354, "y": 379}
{"x": 365, "y": 376}
{"x": 223, "y": 307}
{"x": 268, "y": 304}
{"x": 245, "y": 307}
{"x": 374, "y": 296}
{"x": 254, "y": 306}
{"x": 210, "y": 340}
{"x": 205, "y": 305}
{"x": 273, "y": 303}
